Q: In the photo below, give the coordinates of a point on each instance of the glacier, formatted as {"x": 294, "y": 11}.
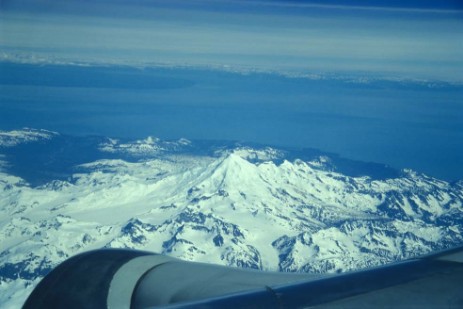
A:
{"x": 225, "y": 203}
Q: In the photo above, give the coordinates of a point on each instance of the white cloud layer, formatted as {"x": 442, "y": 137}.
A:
{"x": 393, "y": 42}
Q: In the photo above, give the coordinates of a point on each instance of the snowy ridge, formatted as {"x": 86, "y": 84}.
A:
{"x": 147, "y": 147}
{"x": 258, "y": 155}
{"x": 242, "y": 207}
{"x": 26, "y": 135}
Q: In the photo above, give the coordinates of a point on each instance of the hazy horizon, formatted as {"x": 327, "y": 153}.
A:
{"x": 380, "y": 82}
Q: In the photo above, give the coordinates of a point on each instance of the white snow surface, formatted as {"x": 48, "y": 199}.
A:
{"x": 26, "y": 135}
{"x": 227, "y": 209}
{"x": 148, "y": 146}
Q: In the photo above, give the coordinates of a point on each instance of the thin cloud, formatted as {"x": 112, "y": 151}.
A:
{"x": 279, "y": 40}
{"x": 350, "y": 7}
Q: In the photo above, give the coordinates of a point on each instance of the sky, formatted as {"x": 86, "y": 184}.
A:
{"x": 393, "y": 39}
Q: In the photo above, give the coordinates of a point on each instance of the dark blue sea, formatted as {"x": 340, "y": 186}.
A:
{"x": 404, "y": 124}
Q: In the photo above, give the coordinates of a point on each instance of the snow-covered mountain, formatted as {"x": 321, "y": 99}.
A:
{"x": 255, "y": 207}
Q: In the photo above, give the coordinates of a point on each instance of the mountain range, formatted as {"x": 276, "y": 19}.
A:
{"x": 237, "y": 204}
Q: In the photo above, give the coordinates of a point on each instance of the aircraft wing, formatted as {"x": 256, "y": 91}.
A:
{"x": 115, "y": 278}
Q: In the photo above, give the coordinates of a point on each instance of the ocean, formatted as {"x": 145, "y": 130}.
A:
{"x": 404, "y": 124}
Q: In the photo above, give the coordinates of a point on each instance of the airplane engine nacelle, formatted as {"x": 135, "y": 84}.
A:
{"x": 117, "y": 278}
